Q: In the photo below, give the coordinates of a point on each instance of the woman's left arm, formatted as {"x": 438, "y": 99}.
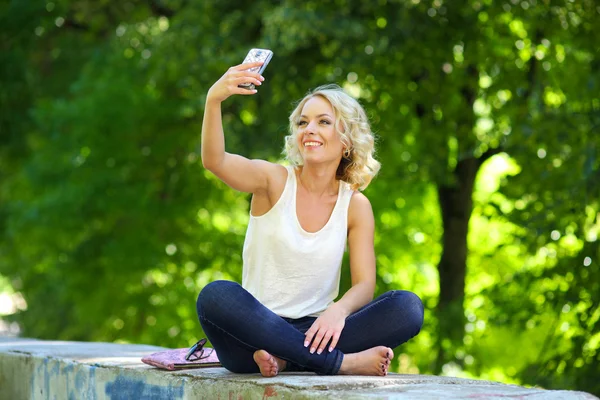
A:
{"x": 361, "y": 231}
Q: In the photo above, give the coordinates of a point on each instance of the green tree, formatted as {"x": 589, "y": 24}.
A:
{"x": 109, "y": 226}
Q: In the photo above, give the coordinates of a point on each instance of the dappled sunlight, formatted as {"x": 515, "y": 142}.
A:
{"x": 11, "y": 303}
{"x": 108, "y": 216}
{"x": 406, "y": 364}
{"x": 511, "y": 259}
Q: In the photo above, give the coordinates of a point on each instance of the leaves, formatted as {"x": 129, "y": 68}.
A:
{"x": 107, "y": 214}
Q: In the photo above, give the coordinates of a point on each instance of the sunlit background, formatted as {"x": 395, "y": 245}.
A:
{"x": 487, "y": 115}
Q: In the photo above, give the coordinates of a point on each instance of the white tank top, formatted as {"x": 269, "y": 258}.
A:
{"x": 293, "y": 272}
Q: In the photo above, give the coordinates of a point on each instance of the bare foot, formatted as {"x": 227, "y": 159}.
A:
{"x": 269, "y": 365}
{"x": 374, "y": 361}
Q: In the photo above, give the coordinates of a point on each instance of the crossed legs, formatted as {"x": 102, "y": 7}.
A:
{"x": 250, "y": 338}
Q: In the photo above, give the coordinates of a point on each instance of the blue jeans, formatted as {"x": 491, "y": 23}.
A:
{"x": 237, "y": 325}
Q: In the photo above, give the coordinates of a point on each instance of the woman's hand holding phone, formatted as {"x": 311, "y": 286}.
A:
{"x": 227, "y": 85}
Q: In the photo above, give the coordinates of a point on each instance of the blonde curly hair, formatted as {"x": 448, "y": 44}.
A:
{"x": 357, "y": 166}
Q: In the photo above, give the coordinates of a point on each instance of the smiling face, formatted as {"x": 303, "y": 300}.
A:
{"x": 328, "y": 126}
{"x": 317, "y": 137}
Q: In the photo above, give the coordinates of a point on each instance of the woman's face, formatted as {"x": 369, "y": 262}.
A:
{"x": 317, "y": 137}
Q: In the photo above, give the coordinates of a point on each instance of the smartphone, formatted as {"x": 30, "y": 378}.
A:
{"x": 263, "y": 55}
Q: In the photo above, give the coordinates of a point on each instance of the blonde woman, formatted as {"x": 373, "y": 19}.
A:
{"x": 283, "y": 317}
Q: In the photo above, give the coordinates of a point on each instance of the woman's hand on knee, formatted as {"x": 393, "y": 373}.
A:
{"x": 328, "y": 327}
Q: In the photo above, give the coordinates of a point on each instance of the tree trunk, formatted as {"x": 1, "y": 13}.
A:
{"x": 456, "y": 205}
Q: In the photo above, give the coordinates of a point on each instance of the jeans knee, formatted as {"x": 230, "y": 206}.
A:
{"x": 413, "y": 309}
{"x": 211, "y": 296}
{"x": 416, "y": 310}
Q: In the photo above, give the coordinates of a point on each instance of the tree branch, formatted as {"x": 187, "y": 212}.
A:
{"x": 72, "y": 24}
{"x": 159, "y": 9}
{"x": 490, "y": 153}
{"x": 469, "y": 92}
{"x": 532, "y": 67}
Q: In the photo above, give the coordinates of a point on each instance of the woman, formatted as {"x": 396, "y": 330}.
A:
{"x": 283, "y": 316}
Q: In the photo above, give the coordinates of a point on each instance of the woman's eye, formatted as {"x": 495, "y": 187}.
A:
{"x": 301, "y": 123}
{"x": 325, "y": 122}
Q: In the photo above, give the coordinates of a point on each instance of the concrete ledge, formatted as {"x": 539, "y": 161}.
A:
{"x": 35, "y": 369}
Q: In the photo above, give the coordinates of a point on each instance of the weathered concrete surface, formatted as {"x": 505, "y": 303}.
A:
{"x": 34, "y": 369}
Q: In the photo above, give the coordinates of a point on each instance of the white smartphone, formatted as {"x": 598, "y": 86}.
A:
{"x": 253, "y": 55}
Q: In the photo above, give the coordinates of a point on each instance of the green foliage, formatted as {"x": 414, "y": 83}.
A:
{"x": 109, "y": 226}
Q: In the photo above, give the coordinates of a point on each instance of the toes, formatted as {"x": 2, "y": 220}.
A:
{"x": 390, "y": 354}
{"x": 266, "y": 363}
{"x": 274, "y": 366}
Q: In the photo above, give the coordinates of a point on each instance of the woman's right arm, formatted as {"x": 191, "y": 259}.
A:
{"x": 238, "y": 172}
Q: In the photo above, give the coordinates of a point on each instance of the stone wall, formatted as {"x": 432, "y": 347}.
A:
{"x": 35, "y": 369}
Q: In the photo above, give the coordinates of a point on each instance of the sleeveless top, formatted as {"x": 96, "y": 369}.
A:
{"x": 293, "y": 272}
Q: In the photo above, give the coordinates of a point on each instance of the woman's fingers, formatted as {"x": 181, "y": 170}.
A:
{"x": 232, "y": 85}
{"x": 334, "y": 341}
{"x": 255, "y": 76}
{"x": 317, "y": 341}
{"x": 229, "y": 83}
{"x": 313, "y": 336}
{"x": 244, "y": 79}
{"x": 309, "y": 334}
{"x": 235, "y": 72}
{"x": 326, "y": 338}
{"x": 235, "y": 80}
{"x": 241, "y": 67}
{"x": 245, "y": 92}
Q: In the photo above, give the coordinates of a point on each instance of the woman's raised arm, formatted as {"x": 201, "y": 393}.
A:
{"x": 238, "y": 172}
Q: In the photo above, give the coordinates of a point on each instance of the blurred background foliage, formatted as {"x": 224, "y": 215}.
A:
{"x": 487, "y": 206}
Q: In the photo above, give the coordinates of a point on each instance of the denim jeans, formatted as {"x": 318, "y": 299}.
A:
{"x": 237, "y": 325}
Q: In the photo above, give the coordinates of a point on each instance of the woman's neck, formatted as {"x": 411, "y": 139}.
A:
{"x": 318, "y": 181}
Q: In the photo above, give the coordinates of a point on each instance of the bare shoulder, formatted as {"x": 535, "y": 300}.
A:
{"x": 250, "y": 176}
{"x": 360, "y": 211}
{"x": 360, "y": 203}
{"x": 276, "y": 176}
{"x": 273, "y": 170}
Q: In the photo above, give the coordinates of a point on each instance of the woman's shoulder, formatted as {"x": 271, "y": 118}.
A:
{"x": 278, "y": 176}
{"x": 360, "y": 208}
{"x": 274, "y": 171}
{"x": 359, "y": 201}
